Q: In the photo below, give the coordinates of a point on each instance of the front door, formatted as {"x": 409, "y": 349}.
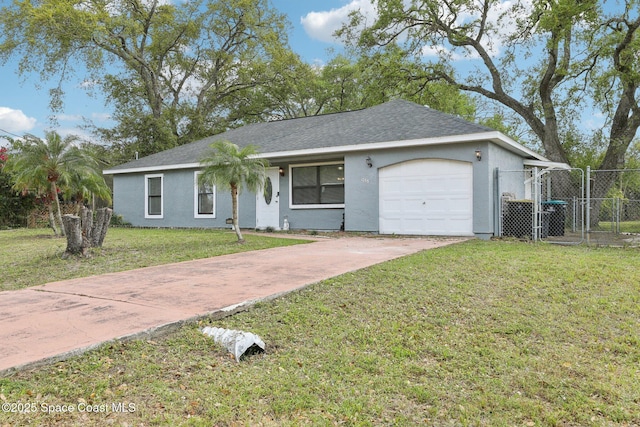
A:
{"x": 267, "y": 202}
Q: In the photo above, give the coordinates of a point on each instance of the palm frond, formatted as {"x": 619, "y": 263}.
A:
{"x": 226, "y": 165}
{"x": 36, "y": 163}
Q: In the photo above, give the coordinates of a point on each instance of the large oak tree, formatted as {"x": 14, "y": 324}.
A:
{"x": 172, "y": 70}
{"x": 545, "y": 61}
{"x": 350, "y": 82}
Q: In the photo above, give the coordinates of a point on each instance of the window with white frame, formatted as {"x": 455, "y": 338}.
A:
{"x": 317, "y": 185}
{"x": 204, "y": 202}
{"x": 153, "y": 194}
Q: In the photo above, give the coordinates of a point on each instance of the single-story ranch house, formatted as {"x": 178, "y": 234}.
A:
{"x": 396, "y": 168}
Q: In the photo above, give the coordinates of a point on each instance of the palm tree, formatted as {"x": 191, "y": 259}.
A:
{"x": 85, "y": 185}
{"x": 228, "y": 166}
{"x": 52, "y": 166}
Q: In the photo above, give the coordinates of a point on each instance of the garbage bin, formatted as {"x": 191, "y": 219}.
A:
{"x": 557, "y": 211}
{"x": 518, "y": 218}
{"x": 544, "y": 224}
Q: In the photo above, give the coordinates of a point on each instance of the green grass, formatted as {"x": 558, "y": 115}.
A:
{"x": 625, "y": 226}
{"x": 477, "y": 334}
{"x": 34, "y": 257}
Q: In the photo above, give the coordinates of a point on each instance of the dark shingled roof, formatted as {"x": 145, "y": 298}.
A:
{"x": 397, "y": 120}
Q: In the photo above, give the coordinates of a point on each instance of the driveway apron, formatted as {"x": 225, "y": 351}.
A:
{"x": 52, "y": 322}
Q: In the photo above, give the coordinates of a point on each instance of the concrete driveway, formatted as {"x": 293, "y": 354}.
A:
{"x": 52, "y": 322}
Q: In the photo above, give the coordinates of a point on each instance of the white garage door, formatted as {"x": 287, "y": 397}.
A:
{"x": 427, "y": 197}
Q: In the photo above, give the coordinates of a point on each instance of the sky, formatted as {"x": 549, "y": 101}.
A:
{"x": 24, "y": 102}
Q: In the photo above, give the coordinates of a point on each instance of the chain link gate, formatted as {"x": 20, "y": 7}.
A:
{"x": 614, "y": 214}
{"x": 542, "y": 204}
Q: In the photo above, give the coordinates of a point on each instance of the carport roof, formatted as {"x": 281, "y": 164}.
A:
{"x": 396, "y": 123}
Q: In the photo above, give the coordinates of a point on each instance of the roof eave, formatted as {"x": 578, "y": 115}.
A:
{"x": 493, "y": 136}
{"x": 504, "y": 141}
{"x": 547, "y": 164}
{"x": 152, "y": 168}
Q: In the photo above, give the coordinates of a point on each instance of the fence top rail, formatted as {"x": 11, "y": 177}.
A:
{"x": 529, "y": 170}
{"x": 572, "y": 169}
{"x": 595, "y": 199}
{"x": 614, "y": 170}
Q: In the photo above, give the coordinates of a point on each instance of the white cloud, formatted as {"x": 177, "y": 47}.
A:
{"x": 79, "y": 118}
{"x": 15, "y": 121}
{"x": 101, "y": 117}
{"x": 593, "y": 120}
{"x": 322, "y": 25}
{"x": 501, "y": 20}
{"x": 73, "y": 131}
{"x": 440, "y": 50}
{"x": 68, "y": 117}
{"x": 88, "y": 84}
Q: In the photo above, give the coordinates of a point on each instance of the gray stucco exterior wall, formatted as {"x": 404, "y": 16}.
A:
{"x": 177, "y": 202}
{"x": 361, "y": 182}
{"x": 361, "y": 211}
{"x": 305, "y": 218}
{"x": 361, "y": 192}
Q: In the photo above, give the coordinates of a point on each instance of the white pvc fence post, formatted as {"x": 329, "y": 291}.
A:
{"x": 536, "y": 204}
{"x": 588, "y": 204}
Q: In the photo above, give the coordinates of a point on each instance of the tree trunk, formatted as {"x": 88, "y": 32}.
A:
{"x": 624, "y": 127}
{"x": 82, "y": 233}
{"x": 101, "y": 226}
{"x": 86, "y": 221}
{"x": 602, "y": 181}
{"x": 54, "y": 194}
{"x": 234, "y": 202}
{"x": 76, "y": 242}
{"x": 52, "y": 220}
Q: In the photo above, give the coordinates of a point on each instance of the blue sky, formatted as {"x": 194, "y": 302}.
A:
{"x": 24, "y": 103}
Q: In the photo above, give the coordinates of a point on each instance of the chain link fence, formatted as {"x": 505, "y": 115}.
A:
{"x": 614, "y": 215}
{"x": 542, "y": 204}
{"x": 600, "y": 207}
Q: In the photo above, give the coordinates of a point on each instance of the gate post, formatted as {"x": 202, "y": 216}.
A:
{"x": 618, "y": 212}
{"x": 536, "y": 204}
{"x": 575, "y": 214}
{"x": 588, "y": 203}
{"x": 497, "y": 204}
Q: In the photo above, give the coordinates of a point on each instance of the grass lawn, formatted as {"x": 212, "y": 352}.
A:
{"x": 34, "y": 257}
{"x": 479, "y": 334}
{"x": 625, "y": 226}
